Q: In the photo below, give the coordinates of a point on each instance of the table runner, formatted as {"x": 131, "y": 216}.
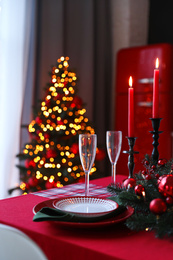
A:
{"x": 74, "y": 190}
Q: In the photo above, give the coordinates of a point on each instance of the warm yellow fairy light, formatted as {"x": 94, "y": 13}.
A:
{"x": 75, "y": 168}
{"x": 41, "y": 162}
{"x": 45, "y": 113}
{"x": 63, "y": 160}
{"x": 70, "y": 163}
{"x": 22, "y": 186}
{"x": 58, "y": 165}
{"x": 25, "y": 151}
{"x": 67, "y": 153}
{"x": 77, "y": 174}
{"x": 47, "y": 146}
{"x": 45, "y": 178}
{"x": 73, "y": 131}
{"x": 65, "y": 64}
{"x": 62, "y": 153}
{"x": 69, "y": 169}
{"x": 56, "y": 70}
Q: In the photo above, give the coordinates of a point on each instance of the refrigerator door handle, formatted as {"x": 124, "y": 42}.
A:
{"x": 146, "y": 80}
{"x": 145, "y": 104}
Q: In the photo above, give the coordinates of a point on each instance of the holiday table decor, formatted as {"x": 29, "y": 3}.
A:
{"x": 150, "y": 193}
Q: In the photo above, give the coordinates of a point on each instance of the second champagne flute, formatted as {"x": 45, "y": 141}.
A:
{"x": 87, "y": 152}
{"x": 113, "y": 143}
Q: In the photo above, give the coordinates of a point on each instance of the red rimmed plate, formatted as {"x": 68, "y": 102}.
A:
{"x": 107, "y": 222}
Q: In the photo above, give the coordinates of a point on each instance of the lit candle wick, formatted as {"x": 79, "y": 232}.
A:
{"x": 130, "y": 81}
{"x": 157, "y": 63}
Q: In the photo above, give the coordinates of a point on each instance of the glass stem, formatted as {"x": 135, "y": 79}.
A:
{"x": 86, "y": 184}
{"x": 114, "y": 173}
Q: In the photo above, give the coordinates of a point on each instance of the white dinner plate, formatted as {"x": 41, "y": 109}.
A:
{"x": 86, "y": 206}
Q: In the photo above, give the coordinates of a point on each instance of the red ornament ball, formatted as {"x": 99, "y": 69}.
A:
{"x": 77, "y": 101}
{"x": 158, "y": 206}
{"x": 30, "y": 163}
{"x": 129, "y": 183}
{"x": 148, "y": 177}
{"x": 169, "y": 200}
{"x": 166, "y": 185}
{"x": 47, "y": 136}
{"x": 139, "y": 189}
{"x": 162, "y": 162}
{"x": 33, "y": 182}
{"x": 49, "y": 185}
{"x": 38, "y": 120}
{"x": 51, "y": 153}
{"x": 74, "y": 148}
{"x": 60, "y": 122}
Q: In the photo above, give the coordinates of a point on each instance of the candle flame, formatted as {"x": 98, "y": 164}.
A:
{"x": 130, "y": 81}
{"x": 157, "y": 63}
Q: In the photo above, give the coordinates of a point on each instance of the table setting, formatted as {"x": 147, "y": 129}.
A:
{"x": 87, "y": 211}
{"x": 143, "y": 200}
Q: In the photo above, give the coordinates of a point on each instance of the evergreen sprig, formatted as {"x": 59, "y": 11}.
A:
{"x": 143, "y": 218}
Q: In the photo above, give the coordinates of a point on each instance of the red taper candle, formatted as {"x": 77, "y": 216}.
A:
{"x": 156, "y": 91}
{"x": 130, "y": 109}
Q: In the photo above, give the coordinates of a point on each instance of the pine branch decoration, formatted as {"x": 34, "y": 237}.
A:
{"x": 151, "y": 197}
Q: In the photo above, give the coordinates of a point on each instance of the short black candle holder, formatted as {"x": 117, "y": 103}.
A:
{"x": 131, "y": 152}
{"x": 155, "y": 132}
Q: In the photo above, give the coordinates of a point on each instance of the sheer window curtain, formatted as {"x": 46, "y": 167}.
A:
{"x": 16, "y": 22}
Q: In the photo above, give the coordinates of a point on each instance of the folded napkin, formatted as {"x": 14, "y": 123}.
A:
{"x": 52, "y": 214}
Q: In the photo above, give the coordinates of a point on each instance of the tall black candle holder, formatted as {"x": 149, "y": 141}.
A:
{"x": 155, "y": 132}
{"x": 131, "y": 152}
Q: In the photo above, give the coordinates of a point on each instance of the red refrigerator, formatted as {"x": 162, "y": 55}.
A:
{"x": 139, "y": 62}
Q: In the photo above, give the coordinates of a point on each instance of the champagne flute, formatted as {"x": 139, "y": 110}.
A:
{"x": 87, "y": 152}
{"x": 113, "y": 143}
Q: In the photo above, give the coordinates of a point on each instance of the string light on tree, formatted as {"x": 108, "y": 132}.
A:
{"x": 52, "y": 156}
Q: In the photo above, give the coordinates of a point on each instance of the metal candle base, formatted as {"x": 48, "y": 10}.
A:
{"x": 131, "y": 152}
{"x": 155, "y": 132}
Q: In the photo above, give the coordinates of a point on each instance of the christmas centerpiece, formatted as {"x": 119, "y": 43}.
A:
{"x": 149, "y": 192}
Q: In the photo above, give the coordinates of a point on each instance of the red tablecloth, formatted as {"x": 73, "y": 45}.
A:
{"x": 113, "y": 242}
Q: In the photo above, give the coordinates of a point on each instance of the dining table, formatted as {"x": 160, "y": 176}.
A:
{"x": 102, "y": 240}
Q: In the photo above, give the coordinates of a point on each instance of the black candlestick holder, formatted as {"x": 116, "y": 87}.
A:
{"x": 131, "y": 152}
{"x": 155, "y": 132}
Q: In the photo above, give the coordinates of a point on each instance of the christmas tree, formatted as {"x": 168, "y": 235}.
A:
{"x": 51, "y": 158}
